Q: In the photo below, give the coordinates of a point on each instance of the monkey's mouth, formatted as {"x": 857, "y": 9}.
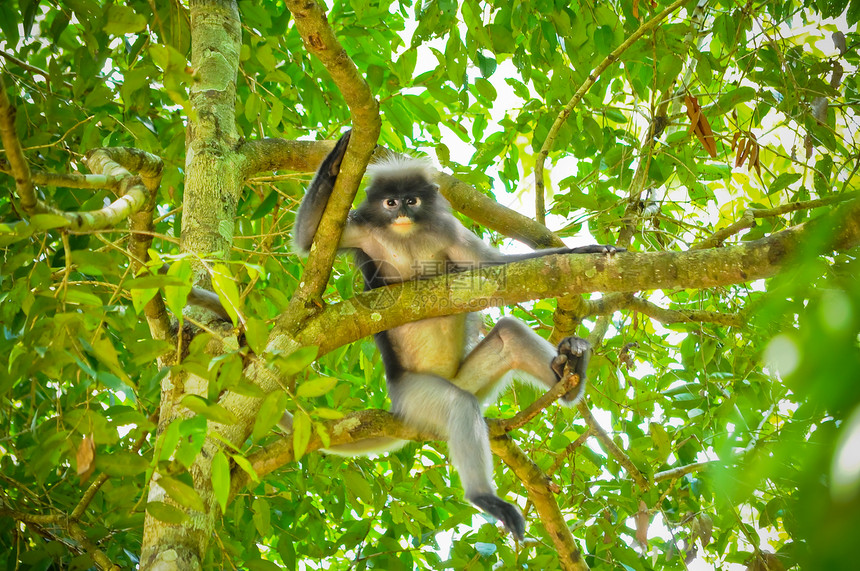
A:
{"x": 402, "y": 224}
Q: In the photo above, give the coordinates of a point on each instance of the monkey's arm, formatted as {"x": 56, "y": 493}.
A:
{"x": 468, "y": 252}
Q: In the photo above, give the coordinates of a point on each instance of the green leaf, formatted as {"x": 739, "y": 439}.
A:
{"x": 165, "y": 512}
{"x": 735, "y": 97}
{"x": 271, "y": 411}
{"x": 357, "y": 484}
{"x": 221, "y": 479}
{"x": 297, "y": 361}
{"x": 122, "y": 20}
{"x": 243, "y": 463}
{"x": 176, "y": 294}
{"x": 783, "y": 181}
{"x": 487, "y": 65}
{"x": 193, "y": 435}
{"x": 212, "y": 411}
{"x": 316, "y": 387}
{"x": 266, "y": 205}
{"x": 262, "y": 516}
{"x": 256, "y": 334}
{"x": 48, "y": 221}
{"x": 121, "y": 464}
{"x": 228, "y": 292}
{"x": 301, "y": 434}
{"x": 181, "y": 493}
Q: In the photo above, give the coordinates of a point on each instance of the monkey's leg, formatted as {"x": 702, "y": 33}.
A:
{"x": 431, "y": 402}
{"x": 513, "y": 346}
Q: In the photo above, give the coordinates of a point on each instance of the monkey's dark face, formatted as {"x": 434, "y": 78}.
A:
{"x": 402, "y": 205}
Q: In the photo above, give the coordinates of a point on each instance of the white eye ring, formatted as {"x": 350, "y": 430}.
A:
{"x": 413, "y": 201}
{"x": 390, "y": 203}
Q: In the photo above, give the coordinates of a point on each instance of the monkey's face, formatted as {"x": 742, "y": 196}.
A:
{"x": 402, "y": 206}
{"x": 402, "y": 212}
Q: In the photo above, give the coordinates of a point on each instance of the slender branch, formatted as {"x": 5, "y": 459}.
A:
{"x": 580, "y": 93}
{"x": 680, "y": 471}
{"x": 320, "y": 40}
{"x": 615, "y": 301}
{"x": 33, "y": 69}
{"x": 74, "y": 180}
{"x": 17, "y": 163}
{"x": 527, "y": 414}
{"x": 539, "y": 488}
{"x": 749, "y": 216}
{"x": 468, "y": 200}
{"x": 613, "y": 449}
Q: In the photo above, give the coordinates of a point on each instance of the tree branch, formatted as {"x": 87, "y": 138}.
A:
{"x": 612, "y": 448}
{"x": 319, "y": 39}
{"x": 751, "y": 214}
{"x": 617, "y": 301}
{"x": 17, "y": 163}
{"x": 538, "y": 486}
{"x": 553, "y": 276}
{"x": 523, "y": 417}
{"x": 540, "y": 207}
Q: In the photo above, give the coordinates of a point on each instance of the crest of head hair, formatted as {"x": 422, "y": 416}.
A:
{"x": 396, "y": 165}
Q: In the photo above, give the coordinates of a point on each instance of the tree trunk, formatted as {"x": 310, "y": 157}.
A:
{"x": 213, "y": 182}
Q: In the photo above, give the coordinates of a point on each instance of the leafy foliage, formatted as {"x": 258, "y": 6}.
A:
{"x": 768, "y": 408}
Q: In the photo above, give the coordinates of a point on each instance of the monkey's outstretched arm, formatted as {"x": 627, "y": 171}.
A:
{"x": 469, "y": 252}
{"x": 313, "y": 204}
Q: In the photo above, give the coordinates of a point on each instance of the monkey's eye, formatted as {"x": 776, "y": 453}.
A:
{"x": 413, "y": 201}
{"x": 390, "y": 203}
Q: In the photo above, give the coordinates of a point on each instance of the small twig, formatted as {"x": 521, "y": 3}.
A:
{"x": 613, "y": 449}
{"x": 561, "y": 388}
{"x": 568, "y": 450}
{"x": 580, "y": 93}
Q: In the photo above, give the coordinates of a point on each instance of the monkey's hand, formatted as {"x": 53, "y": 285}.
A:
{"x": 573, "y": 356}
{"x": 607, "y": 249}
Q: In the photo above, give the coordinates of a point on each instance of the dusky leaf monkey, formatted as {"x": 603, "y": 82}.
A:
{"x": 440, "y": 375}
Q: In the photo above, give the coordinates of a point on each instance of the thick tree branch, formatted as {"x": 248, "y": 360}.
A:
{"x": 17, "y": 163}
{"x": 269, "y": 155}
{"x": 540, "y": 493}
{"x": 553, "y": 276}
{"x": 540, "y": 207}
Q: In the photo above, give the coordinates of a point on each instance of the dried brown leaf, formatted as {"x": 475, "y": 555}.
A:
{"x": 85, "y": 458}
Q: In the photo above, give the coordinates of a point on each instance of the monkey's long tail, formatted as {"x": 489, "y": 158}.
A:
{"x": 366, "y": 447}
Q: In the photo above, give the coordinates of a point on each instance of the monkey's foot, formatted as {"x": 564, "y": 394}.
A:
{"x": 338, "y": 152}
{"x": 506, "y": 513}
{"x": 572, "y": 358}
{"x": 607, "y": 249}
